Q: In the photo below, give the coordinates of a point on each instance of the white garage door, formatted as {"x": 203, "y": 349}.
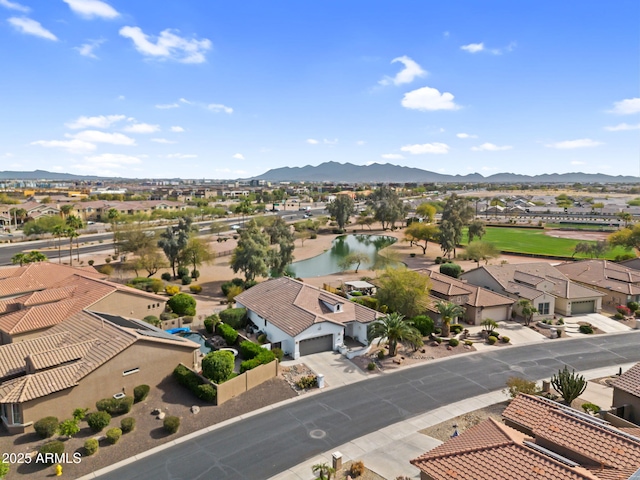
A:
{"x": 587, "y": 306}
{"x": 316, "y": 344}
{"x": 496, "y": 313}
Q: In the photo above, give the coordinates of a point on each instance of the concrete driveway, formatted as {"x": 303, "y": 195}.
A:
{"x": 606, "y": 324}
{"x": 337, "y": 370}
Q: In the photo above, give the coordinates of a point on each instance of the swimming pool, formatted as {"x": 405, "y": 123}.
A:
{"x": 205, "y": 347}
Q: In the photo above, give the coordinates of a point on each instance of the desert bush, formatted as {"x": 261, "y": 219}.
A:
{"x": 140, "y": 393}
{"x": 633, "y": 306}
{"x": 46, "y": 427}
{"x": 451, "y": 269}
{"x": 518, "y": 385}
{"x": 182, "y": 304}
{"x": 69, "y": 427}
{"x": 380, "y": 354}
{"x": 623, "y": 310}
{"x": 468, "y": 342}
{"x": 171, "y": 424}
{"x": 492, "y": 340}
{"x": 193, "y": 382}
{"x": 278, "y": 353}
{"x": 454, "y": 342}
{"x": 586, "y": 328}
{"x": 210, "y": 322}
{"x": 218, "y": 366}
{"x": 97, "y": 421}
{"x": 172, "y": 290}
{"x": 618, "y": 316}
{"x": 195, "y": 288}
{"x": 264, "y": 357}
{"x": 234, "y": 317}
{"x": 91, "y": 262}
{"x": 106, "y": 270}
{"x": 371, "y": 366}
{"x": 186, "y": 280}
{"x": 80, "y": 413}
{"x": 438, "y": 340}
{"x": 127, "y": 424}
{"x": 504, "y": 339}
{"x": 152, "y": 319}
{"x": 226, "y": 286}
{"x": 91, "y": 446}
{"x": 113, "y": 435}
{"x": 456, "y": 328}
{"x": 591, "y": 408}
{"x": 182, "y": 271}
{"x": 186, "y": 320}
{"x": 309, "y": 381}
{"x": 229, "y": 334}
{"x": 262, "y": 338}
{"x": 424, "y": 324}
{"x": 357, "y": 469}
{"x": 195, "y": 274}
{"x": 107, "y": 260}
{"x": 115, "y": 406}
{"x": 166, "y": 276}
{"x": 54, "y": 446}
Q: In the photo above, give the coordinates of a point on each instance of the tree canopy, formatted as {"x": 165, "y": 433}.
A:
{"x": 387, "y": 206}
{"x": 422, "y": 232}
{"x": 456, "y": 214}
{"x": 341, "y": 209}
{"x": 394, "y": 329}
{"x": 403, "y": 291}
{"x": 250, "y": 256}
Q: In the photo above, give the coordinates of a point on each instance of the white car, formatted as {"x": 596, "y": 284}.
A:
{"x": 235, "y": 227}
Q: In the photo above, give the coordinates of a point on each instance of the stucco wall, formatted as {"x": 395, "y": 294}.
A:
{"x": 129, "y": 305}
{"x": 155, "y": 362}
{"x": 481, "y": 278}
{"x": 621, "y": 398}
{"x": 318, "y": 330}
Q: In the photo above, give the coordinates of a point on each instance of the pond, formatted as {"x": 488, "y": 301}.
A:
{"x": 329, "y": 261}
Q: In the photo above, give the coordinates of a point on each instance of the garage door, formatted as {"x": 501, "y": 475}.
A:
{"x": 315, "y": 345}
{"x": 588, "y": 306}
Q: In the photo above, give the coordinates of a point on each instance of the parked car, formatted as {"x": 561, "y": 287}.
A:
{"x": 235, "y": 227}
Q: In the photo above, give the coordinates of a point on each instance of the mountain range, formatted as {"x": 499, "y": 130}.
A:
{"x": 388, "y": 173}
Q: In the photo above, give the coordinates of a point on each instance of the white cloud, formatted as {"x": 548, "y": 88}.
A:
{"x": 427, "y": 98}
{"x": 218, "y": 107}
{"x": 312, "y": 141}
{"x": 113, "y": 160}
{"x": 330, "y": 142}
{"x": 168, "y": 45}
{"x": 14, "y": 6}
{"x": 419, "y": 149}
{"x": 96, "y": 136}
{"x": 101, "y": 121}
{"x": 121, "y": 97}
{"x": 490, "y": 147}
{"x": 86, "y": 49}
{"x": 162, "y": 140}
{"x": 238, "y": 156}
{"x": 626, "y": 106}
{"x": 72, "y": 146}
{"x": 360, "y": 143}
{"x": 577, "y": 162}
{"x": 177, "y": 129}
{"x": 408, "y": 74}
{"x": 181, "y": 155}
{"x": 92, "y": 8}
{"x": 31, "y": 27}
{"x": 142, "y": 128}
{"x": 466, "y": 135}
{"x": 166, "y": 106}
{"x": 473, "y": 47}
{"x": 184, "y": 100}
{"x": 571, "y": 144}
{"x": 622, "y": 127}
{"x": 392, "y": 156}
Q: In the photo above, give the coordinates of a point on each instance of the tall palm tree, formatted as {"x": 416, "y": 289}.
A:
{"x": 113, "y": 215}
{"x": 71, "y": 233}
{"x": 394, "y": 329}
{"x": 448, "y": 311}
{"x": 75, "y": 223}
{"x": 59, "y": 231}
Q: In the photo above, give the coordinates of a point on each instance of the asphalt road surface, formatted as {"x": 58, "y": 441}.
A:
{"x": 265, "y": 445}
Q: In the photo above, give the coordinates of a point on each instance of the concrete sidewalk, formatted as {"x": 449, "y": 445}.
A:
{"x": 388, "y": 451}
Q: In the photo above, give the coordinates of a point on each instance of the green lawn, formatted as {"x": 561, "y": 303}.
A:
{"x": 535, "y": 242}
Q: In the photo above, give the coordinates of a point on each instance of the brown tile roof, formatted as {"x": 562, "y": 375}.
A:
{"x": 528, "y": 410}
{"x": 629, "y": 381}
{"x": 491, "y": 451}
{"x": 67, "y": 353}
{"x": 476, "y": 296}
{"x": 603, "y": 274}
{"x": 293, "y": 306}
{"x": 38, "y": 276}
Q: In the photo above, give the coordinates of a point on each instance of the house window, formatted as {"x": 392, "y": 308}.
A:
{"x": 4, "y": 412}
{"x": 17, "y": 413}
{"x": 543, "y": 308}
{"x": 130, "y": 372}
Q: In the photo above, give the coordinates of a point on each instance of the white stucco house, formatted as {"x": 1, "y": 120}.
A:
{"x": 302, "y": 319}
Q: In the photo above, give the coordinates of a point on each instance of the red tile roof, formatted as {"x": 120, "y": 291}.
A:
{"x": 629, "y": 381}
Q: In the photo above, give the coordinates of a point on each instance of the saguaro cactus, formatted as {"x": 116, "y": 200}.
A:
{"x": 569, "y": 384}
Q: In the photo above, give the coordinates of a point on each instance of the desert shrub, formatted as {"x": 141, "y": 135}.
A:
{"x": 171, "y": 424}
{"x": 195, "y": 288}
{"x": 586, "y": 328}
{"x": 560, "y": 321}
{"x": 195, "y": 274}
{"x": 91, "y": 262}
{"x": 489, "y": 325}
{"x": 229, "y": 334}
{"x": 167, "y": 316}
{"x": 468, "y": 342}
{"x": 456, "y": 328}
{"x": 172, "y": 290}
{"x": 193, "y": 382}
{"x": 182, "y": 271}
{"x": 152, "y": 319}
{"x": 226, "y": 286}
{"x": 206, "y": 392}
{"x": 371, "y": 366}
{"x": 492, "y": 340}
{"x": 495, "y": 334}
{"x": 262, "y": 338}
{"x": 107, "y": 260}
{"x": 518, "y": 385}
{"x": 357, "y": 469}
{"x": 623, "y": 310}
{"x": 140, "y": 393}
{"x": 69, "y": 427}
{"x": 187, "y": 319}
{"x": 113, "y": 435}
{"x": 218, "y": 366}
{"x": 97, "y": 421}
{"x": 249, "y": 350}
{"x": 182, "y": 304}
{"x": 356, "y": 293}
{"x": 166, "y": 276}
{"x": 80, "y": 413}
{"x": 127, "y": 424}
{"x": 106, "y": 270}
{"x": 438, "y": 260}
{"x": 46, "y": 427}
{"x": 234, "y": 317}
{"x": 451, "y": 269}
{"x": 91, "y": 446}
{"x": 618, "y": 316}
{"x": 115, "y": 406}
{"x": 54, "y": 446}
{"x": 633, "y": 306}
{"x": 438, "y": 340}
{"x": 591, "y": 408}
{"x": 265, "y": 356}
{"x": 424, "y": 324}
{"x": 504, "y": 339}
{"x": 380, "y": 354}
{"x": 278, "y": 353}
{"x": 309, "y": 381}
{"x": 210, "y": 322}
{"x": 186, "y": 280}
{"x": 454, "y": 342}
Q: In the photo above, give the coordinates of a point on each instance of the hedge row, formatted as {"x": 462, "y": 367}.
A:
{"x": 234, "y": 317}
{"x": 115, "y": 406}
{"x": 255, "y": 355}
{"x": 227, "y": 332}
{"x": 193, "y": 382}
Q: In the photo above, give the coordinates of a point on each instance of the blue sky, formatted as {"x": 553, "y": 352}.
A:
{"x": 229, "y": 89}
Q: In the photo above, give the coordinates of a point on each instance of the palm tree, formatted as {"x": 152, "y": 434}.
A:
{"x": 394, "y": 329}
{"x": 71, "y": 233}
{"x": 448, "y": 311}
{"x": 65, "y": 210}
{"x": 626, "y": 217}
{"x": 113, "y": 215}
{"x": 323, "y": 469}
{"x": 527, "y": 310}
{"x": 75, "y": 223}
{"x": 59, "y": 231}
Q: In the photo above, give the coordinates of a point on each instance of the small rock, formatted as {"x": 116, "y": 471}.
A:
{"x": 161, "y": 416}
{"x": 155, "y": 411}
{"x": 195, "y": 409}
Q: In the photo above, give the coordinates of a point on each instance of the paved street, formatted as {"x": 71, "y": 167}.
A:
{"x": 275, "y": 440}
